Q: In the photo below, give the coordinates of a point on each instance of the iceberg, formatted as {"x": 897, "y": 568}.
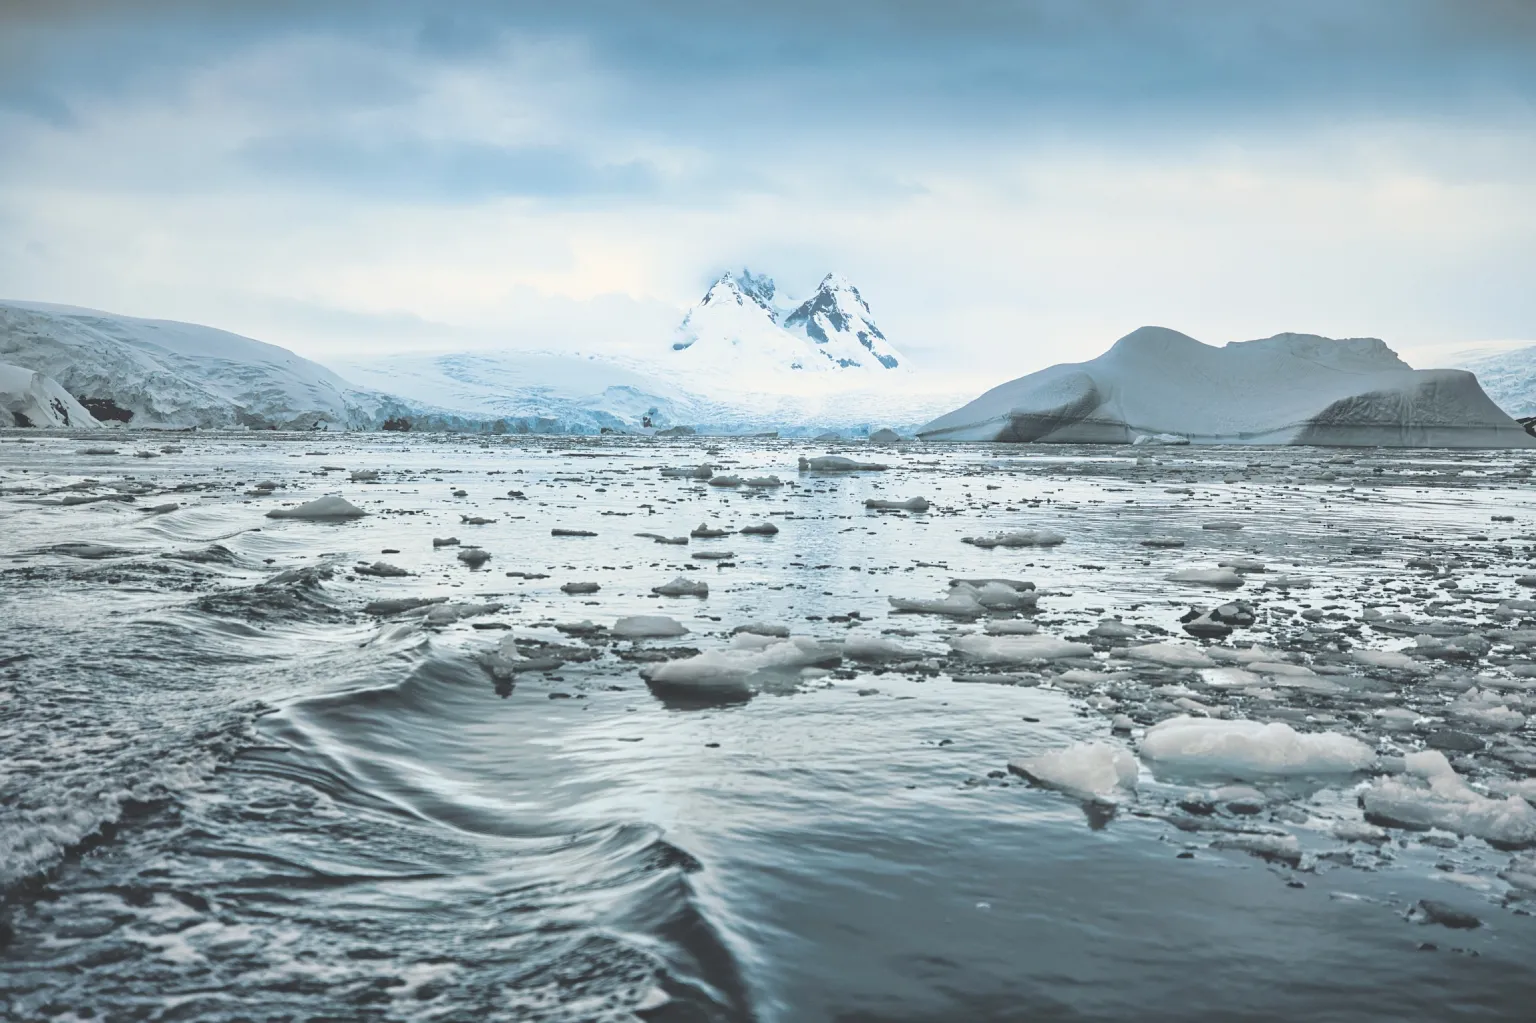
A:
{"x": 1286, "y": 389}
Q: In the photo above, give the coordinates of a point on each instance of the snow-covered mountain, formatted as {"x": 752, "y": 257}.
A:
{"x": 28, "y": 398}
{"x": 738, "y": 331}
{"x": 1286, "y": 389}
{"x": 165, "y": 373}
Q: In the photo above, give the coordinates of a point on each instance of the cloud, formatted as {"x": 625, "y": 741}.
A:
{"x": 1014, "y": 183}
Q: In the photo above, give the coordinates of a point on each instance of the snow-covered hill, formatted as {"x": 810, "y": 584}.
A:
{"x": 1286, "y": 389}
{"x": 164, "y": 373}
{"x": 736, "y": 332}
{"x": 28, "y": 398}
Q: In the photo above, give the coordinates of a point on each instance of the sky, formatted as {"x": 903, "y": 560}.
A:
{"x": 1010, "y": 184}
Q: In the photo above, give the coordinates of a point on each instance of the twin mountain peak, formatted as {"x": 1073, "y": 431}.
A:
{"x": 741, "y": 323}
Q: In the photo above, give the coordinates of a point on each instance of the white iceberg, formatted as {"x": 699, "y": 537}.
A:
{"x": 1251, "y": 749}
{"x": 1286, "y": 389}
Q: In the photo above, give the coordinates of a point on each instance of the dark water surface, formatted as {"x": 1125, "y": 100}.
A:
{"x": 228, "y": 793}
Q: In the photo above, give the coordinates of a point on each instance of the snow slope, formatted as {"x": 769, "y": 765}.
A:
{"x": 1286, "y": 389}
{"x": 837, "y": 320}
{"x": 28, "y": 398}
{"x": 167, "y": 373}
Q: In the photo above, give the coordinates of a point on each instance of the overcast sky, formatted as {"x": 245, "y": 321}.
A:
{"x": 1009, "y": 184}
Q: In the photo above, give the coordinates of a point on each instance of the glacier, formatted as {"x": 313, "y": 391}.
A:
{"x": 29, "y": 398}
{"x": 169, "y": 374}
{"x": 1285, "y": 389}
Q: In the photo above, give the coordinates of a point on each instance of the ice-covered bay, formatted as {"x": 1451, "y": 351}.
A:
{"x": 242, "y": 764}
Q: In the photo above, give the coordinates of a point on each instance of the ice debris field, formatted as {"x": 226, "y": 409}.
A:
{"x": 1317, "y": 664}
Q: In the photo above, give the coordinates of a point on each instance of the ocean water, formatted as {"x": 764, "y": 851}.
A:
{"x": 230, "y": 792}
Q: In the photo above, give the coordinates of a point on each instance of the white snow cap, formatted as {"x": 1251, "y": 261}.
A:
{"x": 737, "y": 326}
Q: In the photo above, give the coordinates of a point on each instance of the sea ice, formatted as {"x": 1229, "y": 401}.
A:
{"x": 1248, "y": 749}
{"x": 1095, "y": 772}
{"x": 321, "y": 508}
{"x": 1018, "y": 649}
{"x": 682, "y": 587}
{"x": 648, "y": 627}
{"x": 1431, "y": 795}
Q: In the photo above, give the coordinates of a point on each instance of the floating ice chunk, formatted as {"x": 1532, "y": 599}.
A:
{"x": 714, "y": 555}
{"x": 1432, "y": 796}
{"x": 648, "y": 627}
{"x": 878, "y": 648}
{"x": 399, "y": 605}
{"x": 380, "y": 568}
{"x": 725, "y": 481}
{"x": 912, "y": 504}
{"x": 885, "y": 437}
{"x": 679, "y": 541}
{"x": 761, "y": 529}
{"x": 447, "y": 614}
{"x": 445, "y": 541}
{"x": 1018, "y": 649}
{"x": 1488, "y": 709}
{"x": 1223, "y": 525}
{"x": 681, "y": 587}
{"x": 704, "y": 531}
{"x": 1162, "y": 541}
{"x": 956, "y": 605}
{"x": 364, "y": 475}
{"x": 321, "y": 508}
{"x": 1171, "y": 655}
{"x": 837, "y": 463}
{"x": 1113, "y": 628}
{"x": 1094, "y": 772}
{"x": 1249, "y": 749}
{"x": 1160, "y": 439}
{"x": 996, "y": 594}
{"x": 1220, "y": 578}
{"x": 579, "y": 588}
{"x": 1288, "y": 582}
{"x": 475, "y": 520}
{"x": 762, "y": 629}
{"x": 474, "y": 557}
{"x": 1018, "y": 538}
{"x": 1244, "y": 565}
{"x": 1391, "y": 659}
{"x": 762, "y": 482}
{"x": 689, "y": 472}
{"x": 1278, "y": 848}
{"x": 1011, "y": 627}
{"x": 726, "y": 675}
{"x": 557, "y": 531}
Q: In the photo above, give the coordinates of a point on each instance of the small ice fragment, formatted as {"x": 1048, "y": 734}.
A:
{"x": 912, "y": 504}
{"x": 321, "y": 508}
{"x": 1094, "y": 772}
{"x": 381, "y": 568}
{"x": 1018, "y": 538}
{"x": 364, "y": 475}
{"x": 681, "y": 587}
{"x": 1243, "y": 749}
{"x": 648, "y": 627}
{"x": 1018, "y": 649}
{"x": 761, "y": 529}
{"x": 571, "y": 532}
{"x": 445, "y": 541}
{"x": 1171, "y": 655}
{"x": 474, "y": 557}
{"x": 1220, "y": 578}
{"x": 837, "y": 463}
{"x": 579, "y": 588}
